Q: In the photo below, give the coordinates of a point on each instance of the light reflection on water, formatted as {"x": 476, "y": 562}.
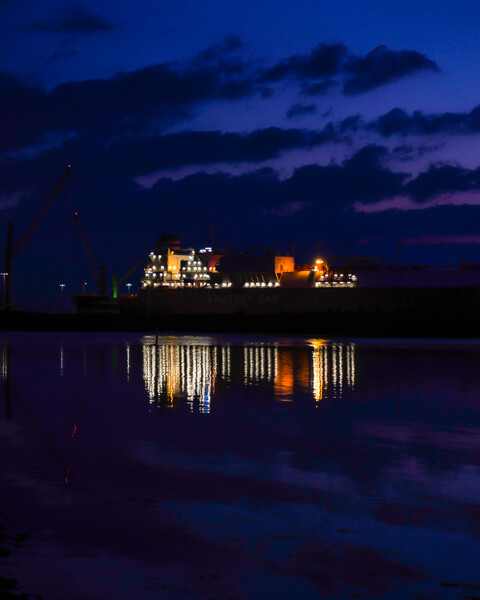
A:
{"x": 318, "y": 468}
{"x": 172, "y": 370}
{"x": 4, "y": 363}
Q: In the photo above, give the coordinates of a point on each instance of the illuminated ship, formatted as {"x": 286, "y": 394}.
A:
{"x": 259, "y": 281}
{"x": 170, "y": 266}
{"x": 181, "y": 281}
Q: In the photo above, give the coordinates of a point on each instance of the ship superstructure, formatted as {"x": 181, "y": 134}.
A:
{"x": 170, "y": 266}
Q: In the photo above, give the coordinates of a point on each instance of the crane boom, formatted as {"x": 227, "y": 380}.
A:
{"x": 98, "y": 278}
{"x": 12, "y": 249}
{"x": 117, "y": 282}
{"x": 42, "y": 213}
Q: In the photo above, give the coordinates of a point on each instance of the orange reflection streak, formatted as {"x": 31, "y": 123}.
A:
{"x": 324, "y": 369}
{"x": 333, "y": 368}
{"x": 74, "y": 429}
{"x": 318, "y": 367}
{"x": 317, "y": 378}
{"x": 190, "y": 371}
{"x": 171, "y": 365}
{"x": 284, "y": 378}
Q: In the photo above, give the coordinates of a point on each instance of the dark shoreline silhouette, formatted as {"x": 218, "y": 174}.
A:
{"x": 399, "y": 324}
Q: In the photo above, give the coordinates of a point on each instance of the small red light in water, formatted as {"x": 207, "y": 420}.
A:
{"x": 74, "y": 429}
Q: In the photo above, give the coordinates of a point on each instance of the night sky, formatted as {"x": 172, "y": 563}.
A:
{"x": 349, "y": 123}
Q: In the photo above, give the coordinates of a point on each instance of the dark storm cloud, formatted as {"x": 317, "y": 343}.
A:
{"x": 141, "y": 101}
{"x": 205, "y": 147}
{"x": 77, "y": 19}
{"x": 364, "y": 177}
{"x": 217, "y": 51}
{"x": 235, "y": 71}
{"x": 132, "y": 102}
{"x": 443, "y": 179}
{"x": 23, "y": 114}
{"x": 135, "y": 155}
{"x": 324, "y": 60}
{"x": 382, "y": 66}
{"x": 409, "y": 152}
{"x": 359, "y": 74}
{"x": 399, "y": 122}
{"x": 319, "y": 88}
{"x": 404, "y": 152}
{"x": 139, "y": 155}
{"x": 359, "y": 178}
{"x": 350, "y": 124}
{"x": 314, "y": 203}
{"x": 297, "y": 110}
{"x": 318, "y": 201}
{"x": 335, "y": 187}
{"x": 423, "y": 149}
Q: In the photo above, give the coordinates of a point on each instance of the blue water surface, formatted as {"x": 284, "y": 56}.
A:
{"x": 137, "y": 466}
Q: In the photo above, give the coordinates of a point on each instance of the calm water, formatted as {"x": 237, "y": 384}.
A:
{"x": 229, "y": 467}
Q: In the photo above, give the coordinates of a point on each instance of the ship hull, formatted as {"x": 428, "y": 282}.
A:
{"x": 465, "y": 300}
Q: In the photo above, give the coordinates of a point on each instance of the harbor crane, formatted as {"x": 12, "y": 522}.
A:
{"x": 13, "y": 248}
{"x": 98, "y": 276}
{"x": 117, "y": 282}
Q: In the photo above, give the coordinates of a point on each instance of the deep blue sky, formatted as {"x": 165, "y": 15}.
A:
{"x": 353, "y": 123}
